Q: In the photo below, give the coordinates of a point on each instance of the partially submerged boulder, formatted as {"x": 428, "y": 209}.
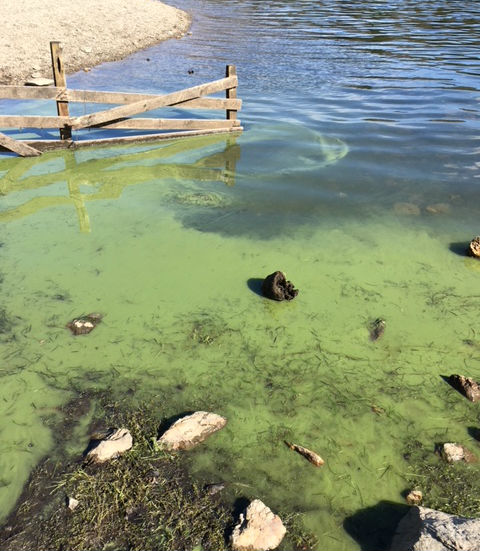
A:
{"x": 474, "y": 247}
{"x": 190, "y": 430}
{"x": 453, "y": 452}
{"x": 276, "y": 287}
{"x": 423, "y": 529}
{"x": 466, "y": 386}
{"x": 259, "y": 529}
{"x": 414, "y": 497}
{"x": 109, "y": 447}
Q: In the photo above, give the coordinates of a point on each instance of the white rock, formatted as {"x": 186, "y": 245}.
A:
{"x": 452, "y": 452}
{"x": 258, "y": 530}
{"x": 72, "y": 503}
{"x": 189, "y": 431}
{"x": 39, "y": 82}
{"x": 423, "y": 529}
{"x": 112, "y": 446}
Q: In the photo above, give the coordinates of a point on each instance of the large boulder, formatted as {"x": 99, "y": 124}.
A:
{"x": 423, "y": 529}
{"x": 190, "y": 430}
{"x": 109, "y": 447}
{"x": 258, "y": 529}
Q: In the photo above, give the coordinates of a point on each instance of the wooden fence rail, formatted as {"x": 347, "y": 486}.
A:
{"x": 129, "y": 105}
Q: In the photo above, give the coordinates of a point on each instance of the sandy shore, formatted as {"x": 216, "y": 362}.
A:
{"x": 91, "y": 32}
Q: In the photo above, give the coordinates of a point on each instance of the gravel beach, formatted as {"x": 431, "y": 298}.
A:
{"x": 90, "y": 31}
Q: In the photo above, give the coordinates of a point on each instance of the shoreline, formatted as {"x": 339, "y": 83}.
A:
{"x": 90, "y": 32}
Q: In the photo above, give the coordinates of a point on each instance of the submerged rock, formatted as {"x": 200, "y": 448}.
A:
{"x": 466, "y": 386}
{"x": 109, "y": 447}
{"x": 377, "y": 329}
{"x": 189, "y": 431}
{"x": 423, "y": 529}
{"x": 474, "y": 247}
{"x": 453, "y": 452}
{"x": 259, "y": 529}
{"x": 276, "y": 287}
{"x": 84, "y": 324}
{"x": 407, "y": 209}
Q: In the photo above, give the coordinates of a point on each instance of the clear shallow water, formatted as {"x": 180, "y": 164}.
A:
{"x": 351, "y": 111}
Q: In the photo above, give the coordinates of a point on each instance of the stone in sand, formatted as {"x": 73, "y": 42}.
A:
{"x": 438, "y": 208}
{"x": 466, "y": 386}
{"x": 259, "y": 529}
{"x": 423, "y": 529}
{"x": 113, "y": 445}
{"x": 276, "y": 287}
{"x": 189, "y": 431}
{"x": 453, "y": 452}
{"x": 474, "y": 247}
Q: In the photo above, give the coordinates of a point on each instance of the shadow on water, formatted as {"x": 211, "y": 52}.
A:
{"x": 459, "y": 248}
{"x": 373, "y": 527}
{"x": 474, "y": 432}
{"x": 255, "y": 285}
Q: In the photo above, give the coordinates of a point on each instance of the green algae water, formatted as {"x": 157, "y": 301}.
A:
{"x": 362, "y": 187}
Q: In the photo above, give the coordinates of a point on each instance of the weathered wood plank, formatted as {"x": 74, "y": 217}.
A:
{"x": 30, "y": 92}
{"x": 20, "y": 148}
{"x": 18, "y": 121}
{"x": 154, "y": 103}
{"x": 168, "y": 124}
{"x": 91, "y": 96}
{"x": 231, "y": 93}
{"x": 48, "y": 145}
{"x": 60, "y": 81}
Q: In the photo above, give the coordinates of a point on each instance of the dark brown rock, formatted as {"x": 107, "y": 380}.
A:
{"x": 474, "y": 247}
{"x": 466, "y": 386}
{"x": 276, "y": 287}
{"x": 377, "y": 329}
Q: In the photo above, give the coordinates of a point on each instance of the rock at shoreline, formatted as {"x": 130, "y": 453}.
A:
{"x": 259, "y": 529}
{"x": 113, "y": 445}
{"x": 276, "y": 287}
{"x": 423, "y": 529}
{"x": 189, "y": 431}
{"x": 453, "y": 452}
{"x": 466, "y": 386}
{"x": 39, "y": 81}
{"x": 414, "y": 497}
{"x": 474, "y": 247}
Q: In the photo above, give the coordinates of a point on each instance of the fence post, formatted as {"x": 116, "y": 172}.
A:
{"x": 60, "y": 81}
{"x": 231, "y": 92}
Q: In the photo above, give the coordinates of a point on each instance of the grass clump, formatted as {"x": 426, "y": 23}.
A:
{"x": 453, "y": 488}
{"x": 142, "y": 500}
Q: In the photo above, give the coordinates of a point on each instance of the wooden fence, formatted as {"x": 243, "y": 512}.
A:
{"x": 121, "y": 117}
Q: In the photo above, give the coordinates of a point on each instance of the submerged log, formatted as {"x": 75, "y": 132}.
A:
{"x": 313, "y": 457}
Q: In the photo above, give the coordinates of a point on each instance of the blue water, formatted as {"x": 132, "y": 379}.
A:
{"x": 357, "y": 173}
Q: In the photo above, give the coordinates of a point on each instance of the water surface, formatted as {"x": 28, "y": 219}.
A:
{"x": 357, "y": 174}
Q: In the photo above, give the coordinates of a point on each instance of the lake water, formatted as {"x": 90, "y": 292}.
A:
{"x": 358, "y": 174}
